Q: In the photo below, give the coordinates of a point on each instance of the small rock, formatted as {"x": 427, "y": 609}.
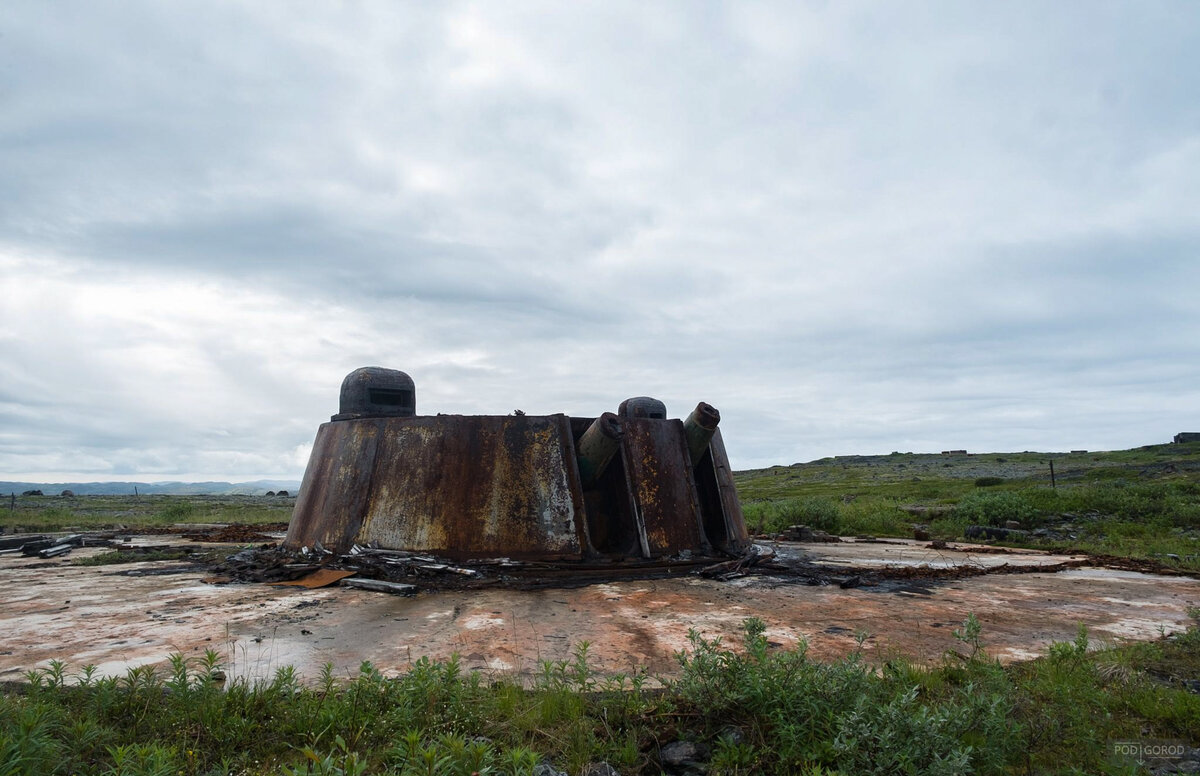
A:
{"x": 733, "y": 734}
{"x": 546, "y": 769}
{"x": 921, "y": 533}
{"x": 1012, "y": 525}
{"x": 599, "y": 769}
{"x": 681, "y": 754}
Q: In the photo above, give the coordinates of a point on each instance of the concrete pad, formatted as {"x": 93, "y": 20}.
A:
{"x": 95, "y": 615}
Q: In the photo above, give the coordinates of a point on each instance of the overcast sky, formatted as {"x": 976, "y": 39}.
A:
{"x": 852, "y": 227}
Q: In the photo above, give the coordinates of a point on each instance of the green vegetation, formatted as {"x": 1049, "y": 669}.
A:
{"x": 755, "y": 709}
{"x": 113, "y": 557}
{"x": 1141, "y": 503}
{"x": 60, "y": 513}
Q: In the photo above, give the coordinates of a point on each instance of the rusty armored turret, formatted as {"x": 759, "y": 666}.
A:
{"x": 624, "y": 486}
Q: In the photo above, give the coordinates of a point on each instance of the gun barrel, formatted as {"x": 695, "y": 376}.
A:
{"x": 597, "y": 447}
{"x": 699, "y": 429}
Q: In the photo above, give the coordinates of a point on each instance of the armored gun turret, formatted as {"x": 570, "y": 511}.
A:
{"x": 631, "y": 485}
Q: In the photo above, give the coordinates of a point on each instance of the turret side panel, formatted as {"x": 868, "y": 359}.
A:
{"x": 333, "y": 495}
{"x": 737, "y": 537}
{"x": 660, "y": 473}
{"x": 477, "y": 486}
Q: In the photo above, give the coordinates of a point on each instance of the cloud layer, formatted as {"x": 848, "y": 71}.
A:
{"x": 851, "y": 227}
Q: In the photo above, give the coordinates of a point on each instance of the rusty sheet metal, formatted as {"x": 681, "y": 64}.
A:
{"x": 317, "y": 579}
{"x": 660, "y": 472}
{"x": 477, "y": 486}
{"x": 333, "y": 495}
{"x": 737, "y": 536}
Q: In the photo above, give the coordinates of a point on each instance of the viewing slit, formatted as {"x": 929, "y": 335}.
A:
{"x": 390, "y": 397}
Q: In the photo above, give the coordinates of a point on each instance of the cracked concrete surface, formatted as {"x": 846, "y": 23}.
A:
{"x": 94, "y": 615}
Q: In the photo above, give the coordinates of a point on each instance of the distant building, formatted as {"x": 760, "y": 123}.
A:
{"x": 1187, "y": 436}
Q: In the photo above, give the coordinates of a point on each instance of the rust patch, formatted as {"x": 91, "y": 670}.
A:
{"x": 318, "y": 579}
{"x": 475, "y": 486}
{"x": 664, "y": 490}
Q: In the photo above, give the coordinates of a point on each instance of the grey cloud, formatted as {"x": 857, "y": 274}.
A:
{"x": 853, "y": 228}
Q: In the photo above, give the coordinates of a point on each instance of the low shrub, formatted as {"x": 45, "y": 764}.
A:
{"x": 995, "y": 508}
{"x": 775, "y": 516}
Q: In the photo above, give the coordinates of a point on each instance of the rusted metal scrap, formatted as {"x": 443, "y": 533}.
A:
{"x": 627, "y": 486}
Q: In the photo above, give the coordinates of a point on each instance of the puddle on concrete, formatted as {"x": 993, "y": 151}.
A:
{"x": 93, "y": 615}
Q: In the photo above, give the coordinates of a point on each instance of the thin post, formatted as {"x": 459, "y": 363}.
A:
{"x": 1052, "y": 483}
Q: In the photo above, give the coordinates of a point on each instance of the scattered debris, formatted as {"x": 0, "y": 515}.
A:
{"x": 319, "y": 578}
{"x": 380, "y": 586}
{"x": 48, "y": 548}
{"x": 17, "y": 543}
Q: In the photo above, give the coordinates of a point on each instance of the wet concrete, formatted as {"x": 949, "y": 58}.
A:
{"x": 95, "y": 615}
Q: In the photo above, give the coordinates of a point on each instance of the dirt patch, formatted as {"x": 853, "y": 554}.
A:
{"x": 237, "y": 534}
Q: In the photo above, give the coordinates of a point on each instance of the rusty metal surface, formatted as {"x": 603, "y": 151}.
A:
{"x": 736, "y": 535}
{"x": 596, "y": 447}
{"x": 476, "y": 486}
{"x": 699, "y": 428}
{"x": 520, "y": 486}
{"x": 317, "y": 579}
{"x": 333, "y": 495}
{"x": 656, "y": 459}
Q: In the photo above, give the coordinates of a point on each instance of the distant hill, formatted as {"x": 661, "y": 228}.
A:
{"x": 255, "y": 488}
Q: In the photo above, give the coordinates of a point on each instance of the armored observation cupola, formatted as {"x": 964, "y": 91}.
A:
{"x": 375, "y": 392}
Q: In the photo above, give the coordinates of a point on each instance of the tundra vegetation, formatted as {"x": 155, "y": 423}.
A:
{"x": 1142, "y": 503}
{"x": 750, "y": 708}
